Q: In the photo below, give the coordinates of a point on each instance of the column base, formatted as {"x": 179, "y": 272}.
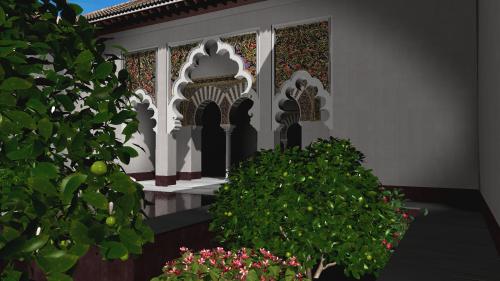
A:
{"x": 188, "y": 175}
{"x": 165, "y": 180}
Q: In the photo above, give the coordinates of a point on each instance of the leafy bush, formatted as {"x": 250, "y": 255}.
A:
{"x": 60, "y": 102}
{"x": 219, "y": 265}
{"x": 319, "y": 204}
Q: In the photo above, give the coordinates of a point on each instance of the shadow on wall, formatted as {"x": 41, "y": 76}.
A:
{"x": 146, "y": 125}
{"x": 244, "y": 135}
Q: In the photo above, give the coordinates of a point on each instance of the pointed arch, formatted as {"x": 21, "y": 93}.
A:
{"x": 174, "y": 117}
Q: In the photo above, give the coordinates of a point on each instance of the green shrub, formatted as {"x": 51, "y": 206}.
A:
{"x": 319, "y": 204}
{"x": 60, "y": 102}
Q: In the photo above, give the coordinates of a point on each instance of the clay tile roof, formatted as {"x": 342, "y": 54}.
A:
{"x": 127, "y": 7}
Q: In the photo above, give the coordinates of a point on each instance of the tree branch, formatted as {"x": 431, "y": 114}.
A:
{"x": 322, "y": 267}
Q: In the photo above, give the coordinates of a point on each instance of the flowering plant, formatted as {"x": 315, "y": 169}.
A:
{"x": 220, "y": 264}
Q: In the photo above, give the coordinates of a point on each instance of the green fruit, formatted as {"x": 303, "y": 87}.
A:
{"x": 110, "y": 221}
{"x": 288, "y": 254}
{"x": 229, "y": 214}
{"x": 124, "y": 257}
{"x": 310, "y": 208}
{"x": 63, "y": 243}
{"x": 99, "y": 168}
{"x": 369, "y": 257}
{"x": 226, "y": 187}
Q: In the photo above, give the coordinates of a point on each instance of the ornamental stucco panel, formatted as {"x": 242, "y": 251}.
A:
{"x": 142, "y": 67}
{"x": 246, "y": 47}
{"x": 178, "y": 56}
{"x": 302, "y": 47}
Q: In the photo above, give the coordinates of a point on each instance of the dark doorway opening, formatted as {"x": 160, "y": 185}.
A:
{"x": 213, "y": 143}
{"x": 244, "y": 135}
{"x": 294, "y": 135}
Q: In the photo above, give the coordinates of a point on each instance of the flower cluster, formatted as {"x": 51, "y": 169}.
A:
{"x": 244, "y": 265}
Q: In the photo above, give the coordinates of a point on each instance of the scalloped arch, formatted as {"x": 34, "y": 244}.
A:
{"x": 174, "y": 117}
{"x": 145, "y": 98}
{"x": 299, "y": 80}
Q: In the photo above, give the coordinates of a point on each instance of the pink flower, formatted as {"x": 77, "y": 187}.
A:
{"x": 201, "y": 260}
{"x": 183, "y": 249}
{"x": 243, "y": 272}
{"x": 293, "y": 262}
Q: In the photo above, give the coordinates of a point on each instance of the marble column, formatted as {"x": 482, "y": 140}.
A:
{"x": 228, "y": 129}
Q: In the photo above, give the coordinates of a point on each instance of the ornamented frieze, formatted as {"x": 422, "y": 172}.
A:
{"x": 142, "y": 67}
{"x": 178, "y": 56}
{"x": 246, "y": 47}
{"x": 302, "y": 47}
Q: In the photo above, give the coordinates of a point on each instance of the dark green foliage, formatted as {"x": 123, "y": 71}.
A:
{"x": 312, "y": 203}
{"x": 60, "y": 102}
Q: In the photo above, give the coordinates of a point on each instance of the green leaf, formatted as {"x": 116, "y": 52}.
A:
{"x": 37, "y": 105}
{"x": 59, "y": 277}
{"x": 101, "y": 117}
{"x": 15, "y": 83}
{"x": 76, "y": 8}
{"x": 252, "y": 276}
{"x": 103, "y": 70}
{"x": 2, "y": 16}
{"x": 85, "y": 57}
{"x": 10, "y": 274}
{"x": 43, "y": 185}
{"x": 274, "y": 270}
{"x": 2, "y": 71}
{"x": 21, "y": 119}
{"x": 114, "y": 250}
{"x": 70, "y": 184}
{"x": 60, "y": 264}
{"x": 131, "y": 240}
{"x": 6, "y": 98}
{"x": 289, "y": 275}
{"x": 10, "y": 233}
{"x": 45, "y": 169}
{"x": 66, "y": 101}
{"x": 80, "y": 233}
{"x": 20, "y": 154}
{"x": 35, "y": 243}
{"x": 96, "y": 199}
{"x": 122, "y": 183}
{"x": 79, "y": 249}
{"x": 130, "y": 129}
{"x": 45, "y": 128}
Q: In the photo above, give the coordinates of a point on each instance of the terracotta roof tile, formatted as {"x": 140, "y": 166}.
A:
{"x": 127, "y": 7}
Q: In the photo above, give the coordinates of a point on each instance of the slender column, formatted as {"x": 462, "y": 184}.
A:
{"x": 228, "y": 129}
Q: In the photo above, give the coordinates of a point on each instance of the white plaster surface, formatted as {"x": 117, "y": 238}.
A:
{"x": 404, "y": 80}
{"x": 203, "y": 186}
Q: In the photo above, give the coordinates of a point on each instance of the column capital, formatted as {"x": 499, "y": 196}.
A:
{"x": 228, "y": 128}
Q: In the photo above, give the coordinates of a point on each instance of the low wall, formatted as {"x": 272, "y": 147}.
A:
{"x": 188, "y": 228}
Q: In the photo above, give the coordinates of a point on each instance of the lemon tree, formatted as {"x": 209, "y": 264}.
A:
{"x": 319, "y": 204}
{"x": 60, "y": 102}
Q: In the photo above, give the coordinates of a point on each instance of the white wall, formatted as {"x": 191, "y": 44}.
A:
{"x": 403, "y": 78}
{"x": 489, "y": 102}
{"x": 145, "y": 138}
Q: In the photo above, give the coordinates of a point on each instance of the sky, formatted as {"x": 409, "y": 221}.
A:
{"x": 92, "y": 5}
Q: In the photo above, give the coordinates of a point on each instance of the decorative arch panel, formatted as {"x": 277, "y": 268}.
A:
{"x": 293, "y": 51}
{"x": 310, "y": 97}
{"x": 183, "y": 81}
